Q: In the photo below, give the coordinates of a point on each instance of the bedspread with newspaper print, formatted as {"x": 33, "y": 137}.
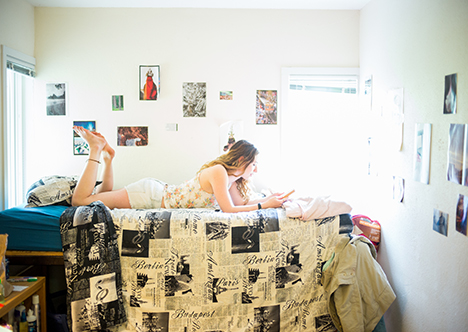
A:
{"x": 92, "y": 268}
{"x": 189, "y": 270}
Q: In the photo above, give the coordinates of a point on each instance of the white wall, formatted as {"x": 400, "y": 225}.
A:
{"x": 413, "y": 45}
{"x": 98, "y": 51}
{"x": 17, "y": 25}
{"x": 16, "y": 32}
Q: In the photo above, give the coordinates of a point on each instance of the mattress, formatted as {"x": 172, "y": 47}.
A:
{"x": 35, "y": 229}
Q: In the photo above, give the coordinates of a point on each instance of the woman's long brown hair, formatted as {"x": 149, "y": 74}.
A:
{"x": 241, "y": 154}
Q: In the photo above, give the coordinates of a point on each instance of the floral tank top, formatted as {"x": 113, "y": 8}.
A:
{"x": 189, "y": 195}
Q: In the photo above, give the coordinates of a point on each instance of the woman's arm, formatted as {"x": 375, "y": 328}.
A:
{"x": 272, "y": 201}
{"x": 263, "y": 199}
{"x": 230, "y": 200}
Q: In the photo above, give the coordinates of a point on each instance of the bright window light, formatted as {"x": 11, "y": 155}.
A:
{"x": 18, "y": 75}
{"x": 322, "y": 146}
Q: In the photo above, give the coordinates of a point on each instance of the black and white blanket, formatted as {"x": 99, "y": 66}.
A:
{"x": 198, "y": 270}
{"x": 92, "y": 268}
{"x": 201, "y": 270}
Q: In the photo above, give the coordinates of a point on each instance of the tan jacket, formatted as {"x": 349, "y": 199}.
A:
{"x": 357, "y": 288}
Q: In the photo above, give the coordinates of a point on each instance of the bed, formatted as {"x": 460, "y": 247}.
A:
{"x": 205, "y": 270}
{"x": 196, "y": 269}
{"x": 33, "y": 235}
{"x": 33, "y": 227}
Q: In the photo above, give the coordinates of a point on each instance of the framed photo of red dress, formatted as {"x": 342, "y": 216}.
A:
{"x": 149, "y": 82}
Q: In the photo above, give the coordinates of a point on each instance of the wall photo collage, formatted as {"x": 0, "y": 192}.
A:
{"x": 457, "y": 155}
{"x": 194, "y": 104}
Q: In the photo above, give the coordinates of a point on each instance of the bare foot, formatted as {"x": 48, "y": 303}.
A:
{"x": 94, "y": 141}
{"x": 109, "y": 152}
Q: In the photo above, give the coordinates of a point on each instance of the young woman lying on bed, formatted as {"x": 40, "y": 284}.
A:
{"x": 221, "y": 183}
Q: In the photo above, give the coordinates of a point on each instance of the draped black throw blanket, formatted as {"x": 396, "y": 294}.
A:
{"x": 92, "y": 268}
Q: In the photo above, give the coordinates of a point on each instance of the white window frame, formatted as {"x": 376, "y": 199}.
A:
{"x": 13, "y": 111}
{"x": 286, "y": 72}
{"x": 285, "y": 116}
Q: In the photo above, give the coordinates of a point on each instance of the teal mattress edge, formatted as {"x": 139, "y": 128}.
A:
{"x": 35, "y": 229}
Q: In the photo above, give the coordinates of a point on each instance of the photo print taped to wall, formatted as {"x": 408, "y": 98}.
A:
{"x": 226, "y": 95}
{"x": 422, "y": 152}
{"x": 132, "y": 136}
{"x": 398, "y": 188}
{"x": 440, "y": 222}
{"x": 456, "y": 157}
{"x": 149, "y": 82}
{"x": 462, "y": 209}
{"x": 117, "y": 103}
{"x": 450, "y": 96}
{"x": 367, "y": 93}
{"x": 194, "y": 99}
{"x": 80, "y": 147}
{"x": 56, "y": 103}
{"x": 266, "y": 109}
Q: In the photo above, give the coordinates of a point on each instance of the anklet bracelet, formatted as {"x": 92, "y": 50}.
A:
{"x": 93, "y": 160}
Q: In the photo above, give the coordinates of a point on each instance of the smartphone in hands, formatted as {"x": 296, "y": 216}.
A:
{"x": 288, "y": 194}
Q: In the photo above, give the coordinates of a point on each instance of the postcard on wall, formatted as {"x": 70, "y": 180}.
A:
{"x": 462, "y": 208}
{"x": 229, "y": 133}
{"x": 266, "y": 109}
{"x": 194, "y": 99}
{"x": 422, "y": 152}
{"x": 149, "y": 82}
{"x": 56, "y": 98}
{"x": 455, "y": 157}
{"x": 398, "y": 188}
{"x": 225, "y": 95}
{"x": 392, "y": 113}
{"x": 132, "y": 136}
{"x": 117, "y": 103}
{"x": 367, "y": 94}
{"x": 465, "y": 158}
{"x": 80, "y": 147}
{"x": 450, "y": 96}
{"x": 440, "y": 222}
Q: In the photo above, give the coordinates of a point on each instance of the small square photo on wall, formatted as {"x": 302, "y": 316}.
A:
{"x": 80, "y": 147}
{"x": 132, "y": 136}
{"x": 56, "y": 99}
{"x": 149, "y": 82}
{"x": 194, "y": 99}
{"x": 117, "y": 103}
{"x": 462, "y": 210}
{"x": 450, "y": 96}
{"x": 456, "y": 171}
{"x": 266, "y": 108}
{"x": 225, "y": 95}
{"x": 440, "y": 222}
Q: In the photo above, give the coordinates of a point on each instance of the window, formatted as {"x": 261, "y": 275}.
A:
{"x": 18, "y": 72}
{"x": 322, "y": 146}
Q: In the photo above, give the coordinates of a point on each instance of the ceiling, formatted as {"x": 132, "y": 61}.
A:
{"x": 243, "y": 4}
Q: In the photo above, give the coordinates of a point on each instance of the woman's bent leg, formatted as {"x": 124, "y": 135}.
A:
{"x": 116, "y": 199}
{"x": 107, "y": 173}
{"x": 83, "y": 194}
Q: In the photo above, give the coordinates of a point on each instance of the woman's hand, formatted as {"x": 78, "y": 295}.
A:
{"x": 273, "y": 201}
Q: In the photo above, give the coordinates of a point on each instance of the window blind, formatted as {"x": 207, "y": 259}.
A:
{"x": 324, "y": 83}
{"x": 20, "y": 68}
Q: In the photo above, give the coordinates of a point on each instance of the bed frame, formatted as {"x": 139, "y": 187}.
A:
{"x": 40, "y": 259}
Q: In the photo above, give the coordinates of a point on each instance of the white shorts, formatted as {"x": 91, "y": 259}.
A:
{"x": 146, "y": 193}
